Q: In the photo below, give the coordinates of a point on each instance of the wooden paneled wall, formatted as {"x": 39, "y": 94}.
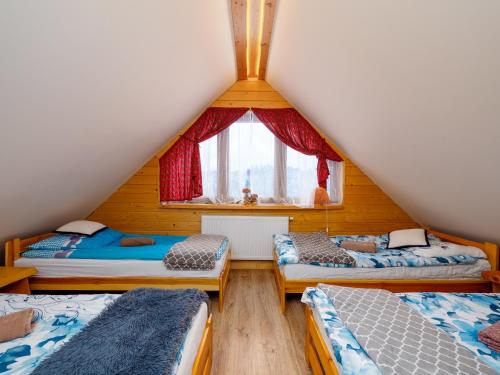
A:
{"x": 135, "y": 208}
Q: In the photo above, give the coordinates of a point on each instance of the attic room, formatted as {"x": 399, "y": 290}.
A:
{"x": 250, "y": 187}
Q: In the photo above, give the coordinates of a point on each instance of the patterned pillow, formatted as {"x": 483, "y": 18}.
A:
{"x": 57, "y": 242}
{"x": 78, "y": 241}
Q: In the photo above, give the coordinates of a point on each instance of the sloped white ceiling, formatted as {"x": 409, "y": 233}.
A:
{"x": 90, "y": 89}
{"x": 410, "y": 90}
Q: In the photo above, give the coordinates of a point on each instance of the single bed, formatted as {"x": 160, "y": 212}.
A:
{"x": 332, "y": 349}
{"x": 85, "y": 273}
{"x": 459, "y": 277}
{"x": 60, "y": 317}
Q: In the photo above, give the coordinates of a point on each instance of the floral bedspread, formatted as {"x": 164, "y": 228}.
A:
{"x": 383, "y": 258}
{"x": 461, "y": 315}
{"x": 56, "y": 319}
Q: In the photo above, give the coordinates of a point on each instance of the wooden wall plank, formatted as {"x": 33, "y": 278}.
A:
{"x": 258, "y": 85}
{"x": 135, "y": 208}
{"x": 267, "y": 29}
{"x": 238, "y": 9}
{"x": 251, "y": 104}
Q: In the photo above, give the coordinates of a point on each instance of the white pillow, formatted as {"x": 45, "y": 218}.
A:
{"x": 447, "y": 249}
{"x": 399, "y": 239}
{"x": 85, "y": 227}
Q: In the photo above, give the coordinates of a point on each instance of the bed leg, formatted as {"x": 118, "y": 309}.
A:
{"x": 283, "y": 301}
{"x": 307, "y": 341}
{"x": 280, "y": 284}
{"x": 223, "y": 279}
{"x": 9, "y": 254}
{"x": 221, "y": 299}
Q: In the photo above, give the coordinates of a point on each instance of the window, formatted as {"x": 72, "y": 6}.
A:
{"x": 247, "y": 154}
{"x": 251, "y": 159}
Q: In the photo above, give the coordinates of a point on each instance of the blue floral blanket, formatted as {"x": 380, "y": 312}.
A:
{"x": 460, "y": 315}
{"x": 56, "y": 319}
{"x": 287, "y": 254}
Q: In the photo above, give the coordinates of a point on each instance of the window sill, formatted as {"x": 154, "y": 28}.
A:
{"x": 263, "y": 206}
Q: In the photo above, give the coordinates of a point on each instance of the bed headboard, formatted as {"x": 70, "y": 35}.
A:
{"x": 15, "y": 247}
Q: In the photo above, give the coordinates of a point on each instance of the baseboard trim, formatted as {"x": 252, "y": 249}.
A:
{"x": 251, "y": 264}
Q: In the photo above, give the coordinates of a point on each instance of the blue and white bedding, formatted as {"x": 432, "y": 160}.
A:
{"x": 59, "y": 317}
{"x": 106, "y": 245}
{"x": 461, "y": 315}
{"x": 56, "y": 317}
{"x": 383, "y": 258}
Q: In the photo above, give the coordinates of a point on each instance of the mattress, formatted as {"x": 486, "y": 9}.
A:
{"x": 192, "y": 341}
{"x": 66, "y": 267}
{"x": 460, "y": 315}
{"x": 324, "y": 334}
{"x": 462, "y": 271}
{"x": 69, "y": 314}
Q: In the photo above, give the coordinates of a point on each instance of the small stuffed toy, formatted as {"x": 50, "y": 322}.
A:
{"x": 248, "y": 198}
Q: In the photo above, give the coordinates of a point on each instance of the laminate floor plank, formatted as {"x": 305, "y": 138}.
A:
{"x": 251, "y": 336}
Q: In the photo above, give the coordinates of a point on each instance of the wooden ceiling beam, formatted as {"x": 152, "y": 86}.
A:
{"x": 267, "y": 30}
{"x": 252, "y": 27}
{"x": 239, "y": 13}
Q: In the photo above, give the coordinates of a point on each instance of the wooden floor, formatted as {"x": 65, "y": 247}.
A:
{"x": 251, "y": 336}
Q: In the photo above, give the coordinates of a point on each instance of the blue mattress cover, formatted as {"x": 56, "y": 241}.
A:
{"x": 60, "y": 247}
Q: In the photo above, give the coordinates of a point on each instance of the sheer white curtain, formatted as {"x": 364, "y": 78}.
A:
{"x": 335, "y": 186}
{"x": 301, "y": 177}
{"x": 280, "y": 172}
{"x": 209, "y": 167}
{"x": 223, "y": 166}
{"x": 251, "y": 158}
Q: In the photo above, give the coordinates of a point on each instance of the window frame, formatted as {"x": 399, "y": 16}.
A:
{"x": 280, "y": 172}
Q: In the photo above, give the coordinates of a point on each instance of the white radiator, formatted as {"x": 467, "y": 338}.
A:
{"x": 251, "y": 237}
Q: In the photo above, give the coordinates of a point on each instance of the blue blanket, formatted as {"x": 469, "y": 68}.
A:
{"x": 162, "y": 246}
{"x": 53, "y": 248}
{"x": 140, "y": 333}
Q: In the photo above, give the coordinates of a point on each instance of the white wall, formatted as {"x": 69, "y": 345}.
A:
{"x": 410, "y": 90}
{"x": 90, "y": 89}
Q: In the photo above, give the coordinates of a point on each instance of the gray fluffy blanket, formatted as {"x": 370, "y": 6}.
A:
{"x": 140, "y": 333}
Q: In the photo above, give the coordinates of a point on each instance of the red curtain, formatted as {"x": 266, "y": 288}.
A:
{"x": 180, "y": 167}
{"x": 292, "y": 129}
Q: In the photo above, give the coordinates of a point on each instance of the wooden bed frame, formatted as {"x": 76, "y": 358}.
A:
{"x": 203, "y": 362}
{"x": 14, "y": 248}
{"x": 286, "y": 285}
{"x": 318, "y": 356}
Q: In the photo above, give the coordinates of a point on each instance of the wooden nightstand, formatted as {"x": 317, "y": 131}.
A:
{"x": 494, "y": 277}
{"x": 15, "y": 279}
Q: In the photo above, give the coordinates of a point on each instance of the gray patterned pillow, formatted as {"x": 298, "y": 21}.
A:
{"x": 316, "y": 247}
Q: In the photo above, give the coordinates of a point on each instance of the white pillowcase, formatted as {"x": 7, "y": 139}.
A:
{"x": 449, "y": 250}
{"x": 85, "y": 227}
{"x": 399, "y": 239}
